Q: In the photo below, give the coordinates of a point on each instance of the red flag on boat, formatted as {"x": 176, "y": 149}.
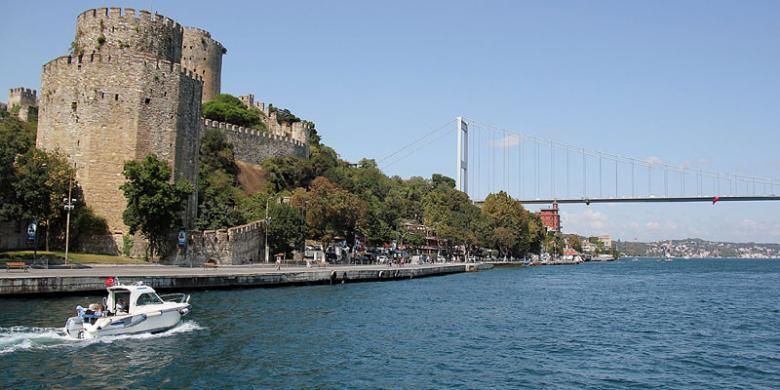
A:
{"x": 715, "y": 199}
{"x": 109, "y": 281}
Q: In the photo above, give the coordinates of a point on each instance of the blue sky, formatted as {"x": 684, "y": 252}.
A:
{"x": 688, "y": 82}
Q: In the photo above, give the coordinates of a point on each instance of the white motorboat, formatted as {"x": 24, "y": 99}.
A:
{"x": 128, "y": 309}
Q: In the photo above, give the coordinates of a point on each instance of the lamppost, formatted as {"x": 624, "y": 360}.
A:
{"x": 68, "y": 207}
{"x": 267, "y": 223}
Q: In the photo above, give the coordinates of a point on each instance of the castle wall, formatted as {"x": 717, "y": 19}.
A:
{"x": 203, "y": 55}
{"x": 298, "y": 131}
{"x": 254, "y": 146}
{"x": 114, "y": 30}
{"x": 22, "y": 97}
{"x": 25, "y": 100}
{"x": 238, "y": 245}
{"x": 102, "y": 111}
{"x": 13, "y": 235}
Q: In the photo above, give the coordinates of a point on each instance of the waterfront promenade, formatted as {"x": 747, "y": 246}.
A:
{"x": 162, "y": 277}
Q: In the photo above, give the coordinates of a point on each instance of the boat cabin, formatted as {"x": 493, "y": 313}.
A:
{"x": 123, "y": 299}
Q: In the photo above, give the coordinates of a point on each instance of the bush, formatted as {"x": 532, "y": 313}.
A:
{"x": 228, "y": 108}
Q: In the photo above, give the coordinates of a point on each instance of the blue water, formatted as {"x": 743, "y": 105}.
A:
{"x": 645, "y": 324}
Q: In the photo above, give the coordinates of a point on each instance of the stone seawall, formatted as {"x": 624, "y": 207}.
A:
{"x": 176, "y": 278}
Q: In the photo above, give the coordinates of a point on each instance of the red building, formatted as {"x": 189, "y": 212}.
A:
{"x": 550, "y": 218}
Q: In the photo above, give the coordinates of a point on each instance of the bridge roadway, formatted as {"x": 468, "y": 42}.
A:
{"x": 652, "y": 199}
{"x": 162, "y": 277}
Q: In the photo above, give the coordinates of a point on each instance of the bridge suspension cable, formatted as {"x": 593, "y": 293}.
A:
{"x": 625, "y": 181}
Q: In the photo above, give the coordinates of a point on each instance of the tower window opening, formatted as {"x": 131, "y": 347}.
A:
{"x": 147, "y": 100}
{"x": 116, "y": 97}
{"x": 73, "y": 106}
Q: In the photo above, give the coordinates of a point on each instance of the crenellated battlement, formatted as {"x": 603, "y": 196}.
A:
{"x": 255, "y": 146}
{"x": 24, "y": 100}
{"x": 296, "y": 130}
{"x": 76, "y": 62}
{"x": 208, "y": 123}
{"x": 22, "y": 91}
{"x": 128, "y": 15}
{"x": 116, "y": 30}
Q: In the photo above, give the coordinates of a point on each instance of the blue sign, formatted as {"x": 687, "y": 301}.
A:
{"x": 182, "y": 238}
{"x": 32, "y": 229}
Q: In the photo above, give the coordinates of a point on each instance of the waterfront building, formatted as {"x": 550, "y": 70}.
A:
{"x": 550, "y": 218}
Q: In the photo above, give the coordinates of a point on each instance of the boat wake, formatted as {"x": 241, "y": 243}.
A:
{"x": 22, "y": 338}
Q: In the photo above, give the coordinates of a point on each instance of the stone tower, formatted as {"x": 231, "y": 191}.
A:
{"x": 123, "y": 94}
{"x": 25, "y": 99}
{"x": 203, "y": 55}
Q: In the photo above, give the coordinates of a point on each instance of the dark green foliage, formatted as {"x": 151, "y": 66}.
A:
{"x": 330, "y": 211}
{"x": 219, "y": 198}
{"x": 16, "y": 139}
{"x": 337, "y": 198}
{"x": 228, "y": 108}
{"x": 86, "y": 224}
{"x": 216, "y": 153}
{"x": 286, "y": 228}
{"x": 287, "y": 173}
{"x": 218, "y": 195}
{"x": 284, "y": 115}
{"x": 154, "y": 204}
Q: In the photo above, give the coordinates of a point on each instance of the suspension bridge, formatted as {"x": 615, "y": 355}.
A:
{"x": 535, "y": 170}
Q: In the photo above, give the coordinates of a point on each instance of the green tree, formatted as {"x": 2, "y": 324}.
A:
{"x": 574, "y": 242}
{"x": 16, "y": 140}
{"x": 40, "y": 188}
{"x": 230, "y": 109}
{"x": 154, "y": 205}
{"x": 216, "y": 153}
{"x": 287, "y": 173}
{"x": 219, "y": 195}
{"x": 218, "y": 200}
{"x": 284, "y": 115}
{"x": 330, "y": 211}
{"x": 287, "y": 227}
{"x": 510, "y": 229}
{"x": 451, "y": 213}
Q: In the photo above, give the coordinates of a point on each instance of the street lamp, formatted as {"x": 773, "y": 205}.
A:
{"x": 68, "y": 207}
{"x": 267, "y": 223}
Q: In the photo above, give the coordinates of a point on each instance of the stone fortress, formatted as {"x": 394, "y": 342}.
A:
{"x": 133, "y": 85}
{"x": 23, "y": 102}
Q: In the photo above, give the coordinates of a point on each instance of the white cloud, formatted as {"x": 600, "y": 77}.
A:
{"x": 588, "y": 222}
{"x": 653, "y": 160}
{"x": 508, "y": 141}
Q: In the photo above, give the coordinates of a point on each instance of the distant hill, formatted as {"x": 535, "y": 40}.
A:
{"x": 698, "y": 248}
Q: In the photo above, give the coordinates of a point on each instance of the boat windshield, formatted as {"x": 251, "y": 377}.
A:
{"x": 148, "y": 299}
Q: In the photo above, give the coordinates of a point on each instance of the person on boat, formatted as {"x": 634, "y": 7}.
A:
{"x": 121, "y": 305}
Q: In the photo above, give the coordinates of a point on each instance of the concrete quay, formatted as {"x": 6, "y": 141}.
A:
{"x": 161, "y": 277}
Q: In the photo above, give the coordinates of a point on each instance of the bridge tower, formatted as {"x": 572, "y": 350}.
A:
{"x": 462, "y": 183}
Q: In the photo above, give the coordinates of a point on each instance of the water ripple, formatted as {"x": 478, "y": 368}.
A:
{"x": 646, "y": 324}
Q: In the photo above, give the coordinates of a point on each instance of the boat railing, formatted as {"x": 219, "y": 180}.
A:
{"x": 175, "y": 297}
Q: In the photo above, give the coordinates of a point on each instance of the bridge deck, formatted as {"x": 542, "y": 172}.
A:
{"x": 652, "y": 199}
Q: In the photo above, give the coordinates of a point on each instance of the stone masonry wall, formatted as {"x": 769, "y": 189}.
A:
{"x": 102, "y": 111}
{"x": 237, "y": 245}
{"x": 115, "y": 30}
{"x": 203, "y": 55}
{"x": 13, "y": 235}
{"x": 25, "y": 100}
{"x": 254, "y": 146}
{"x": 298, "y": 131}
